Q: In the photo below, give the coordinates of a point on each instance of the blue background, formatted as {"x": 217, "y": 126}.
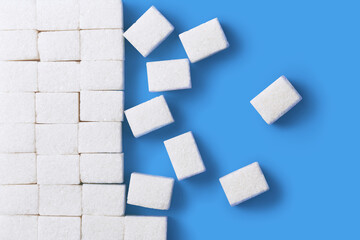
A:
{"x": 309, "y": 157}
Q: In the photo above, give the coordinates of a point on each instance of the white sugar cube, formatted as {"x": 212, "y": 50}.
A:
{"x": 19, "y": 199}
{"x": 59, "y": 46}
{"x": 103, "y": 199}
{"x": 204, "y": 40}
{"x": 58, "y": 169}
{"x": 17, "y": 138}
{"x": 145, "y": 227}
{"x": 18, "y": 76}
{"x": 243, "y": 184}
{"x": 60, "y": 200}
{"x": 57, "y": 138}
{"x": 276, "y": 100}
{"x": 97, "y": 14}
{"x": 19, "y": 227}
{"x": 111, "y": 74}
{"x": 19, "y": 45}
{"x": 184, "y": 155}
{"x": 151, "y": 29}
{"x": 168, "y": 75}
{"x": 17, "y": 14}
{"x": 102, "y": 168}
{"x": 149, "y": 116}
{"x": 17, "y": 107}
{"x": 102, "y": 227}
{"x": 59, "y": 228}
{"x": 58, "y": 14}
{"x": 100, "y": 137}
{"x": 105, "y": 44}
{"x": 150, "y": 191}
{"x": 18, "y": 168}
{"x": 101, "y": 106}
{"x": 57, "y": 107}
{"x": 59, "y": 77}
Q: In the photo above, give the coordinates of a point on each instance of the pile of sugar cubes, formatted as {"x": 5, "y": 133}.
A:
{"x": 61, "y": 113}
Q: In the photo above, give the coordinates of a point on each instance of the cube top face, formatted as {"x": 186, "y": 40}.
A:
{"x": 102, "y": 227}
{"x": 145, "y": 227}
{"x": 149, "y": 116}
{"x": 150, "y": 191}
{"x": 151, "y": 29}
{"x": 18, "y": 45}
{"x": 19, "y": 227}
{"x": 11, "y": 104}
{"x": 276, "y": 100}
{"x": 59, "y": 228}
{"x": 19, "y": 200}
{"x": 17, "y": 15}
{"x": 204, "y": 40}
{"x": 168, "y": 75}
{"x": 18, "y": 76}
{"x": 243, "y": 184}
{"x": 18, "y": 168}
{"x": 17, "y": 138}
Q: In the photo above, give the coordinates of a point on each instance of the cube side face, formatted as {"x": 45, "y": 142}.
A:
{"x": 19, "y": 227}
{"x": 11, "y": 104}
{"x": 18, "y": 15}
{"x": 18, "y": 168}
{"x": 144, "y": 227}
{"x": 19, "y": 45}
{"x": 102, "y": 227}
{"x": 19, "y": 76}
{"x": 59, "y": 228}
{"x": 19, "y": 200}
{"x": 17, "y": 138}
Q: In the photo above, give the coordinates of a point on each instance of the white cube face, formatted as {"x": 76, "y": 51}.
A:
{"x": 59, "y": 46}
{"x": 17, "y": 138}
{"x": 204, "y": 40}
{"x": 144, "y": 227}
{"x": 17, "y": 107}
{"x": 168, "y": 75}
{"x": 151, "y": 29}
{"x": 57, "y": 139}
{"x": 243, "y": 184}
{"x": 19, "y": 227}
{"x": 102, "y": 168}
{"x": 100, "y": 14}
{"x": 149, "y": 116}
{"x": 18, "y": 76}
{"x": 59, "y": 228}
{"x": 58, "y": 169}
{"x": 103, "y": 199}
{"x": 59, "y": 77}
{"x": 60, "y": 200}
{"x": 105, "y": 44}
{"x": 101, "y": 227}
{"x": 19, "y": 45}
{"x": 276, "y": 100}
{"x": 57, "y": 14}
{"x": 17, "y": 15}
{"x": 150, "y": 191}
{"x": 184, "y": 155}
{"x": 19, "y": 200}
{"x": 18, "y": 168}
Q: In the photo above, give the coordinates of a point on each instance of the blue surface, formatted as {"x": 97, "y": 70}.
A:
{"x": 309, "y": 157}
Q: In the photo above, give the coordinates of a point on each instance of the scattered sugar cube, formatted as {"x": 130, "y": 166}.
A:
{"x": 111, "y": 74}
{"x": 243, "y": 184}
{"x": 17, "y": 107}
{"x": 57, "y": 138}
{"x": 60, "y": 200}
{"x": 19, "y": 227}
{"x": 18, "y": 76}
{"x": 57, "y": 107}
{"x": 17, "y": 168}
{"x": 59, "y": 77}
{"x": 101, "y": 106}
{"x": 151, "y": 29}
{"x": 58, "y": 169}
{"x": 150, "y": 191}
{"x": 19, "y": 45}
{"x": 19, "y": 14}
{"x": 276, "y": 100}
{"x": 103, "y": 199}
{"x": 59, "y": 46}
{"x": 58, "y": 14}
{"x": 19, "y": 199}
{"x": 102, "y": 168}
{"x": 17, "y": 138}
{"x": 168, "y": 75}
{"x": 149, "y": 116}
{"x": 59, "y": 228}
{"x": 97, "y": 14}
{"x": 100, "y": 137}
{"x": 204, "y": 40}
{"x": 105, "y": 44}
{"x": 145, "y": 227}
{"x": 184, "y": 156}
{"x": 101, "y": 227}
